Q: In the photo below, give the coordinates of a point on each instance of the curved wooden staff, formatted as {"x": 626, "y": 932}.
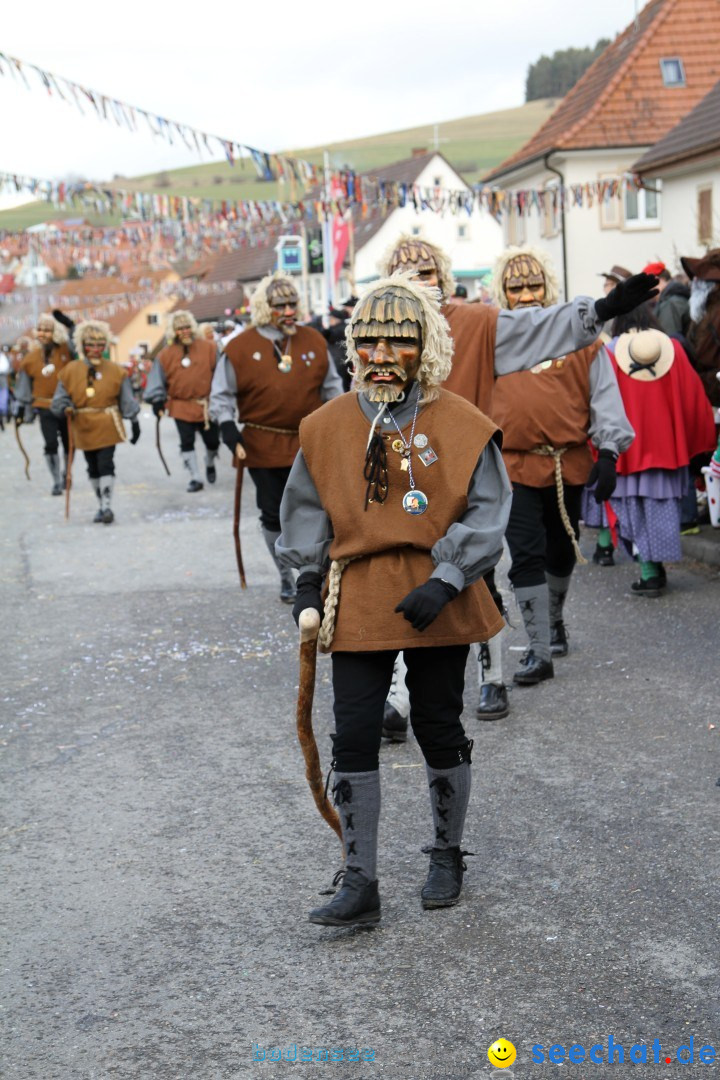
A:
{"x": 240, "y": 466}
{"x": 159, "y": 447}
{"x": 309, "y": 627}
{"x": 23, "y": 451}
{"x": 70, "y": 456}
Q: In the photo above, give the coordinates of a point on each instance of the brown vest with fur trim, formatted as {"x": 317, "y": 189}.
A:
{"x": 473, "y": 328}
{"x": 390, "y": 548}
{"x": 95, "y": 428}
{"x": 185, "y": 385}
{"x": 275, "y": 399}
{"x": 43, "y": 386}
{"x": 549, "y": 405}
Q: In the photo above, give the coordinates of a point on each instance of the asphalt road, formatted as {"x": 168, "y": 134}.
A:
{"x": 160, "y": 848}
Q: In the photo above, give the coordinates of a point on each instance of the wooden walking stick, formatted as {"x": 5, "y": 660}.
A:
{"x": 240, "y": 466}
{"x": 70, "y": 456}
{"x": 159, "y": 447}
{"x": 23, "y": 451}
{"x": 309, "y": 628}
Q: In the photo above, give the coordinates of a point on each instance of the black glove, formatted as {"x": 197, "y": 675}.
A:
{"x": 605, "y": 473}
{"x": 158, "y": 407}
{"x": 423, "y": 605}
{"x": 626, "y": 295}
{"x": 230, "y": 435}
{"x": 307, "y": 594}
{"x": 63, "y": 318}
{"x": 135, "y": 432}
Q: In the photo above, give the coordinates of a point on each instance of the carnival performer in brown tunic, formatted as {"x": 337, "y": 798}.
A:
{"x": 274, "y": 374}
{"x": 179, "y": 384}
{"x": 400, "y": 497}
{"x": 96, "y": 394}
{"x": 547, "y": 415}
{"x": 35, "y": 385}
{"x": 488, "y": 343}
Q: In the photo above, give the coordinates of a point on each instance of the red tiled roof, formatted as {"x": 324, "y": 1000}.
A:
{"x": 621, "y": 99}
{"x": 697, "y": 133}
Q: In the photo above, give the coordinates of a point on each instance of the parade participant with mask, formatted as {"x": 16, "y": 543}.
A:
{"x": 35, "y": 385}
{"x": 272, "y": 374}
{"x": 179, "y": 384}
{"x": 547, "y": 415}
{"x": 488, "y": 342}
{"x": 98, "y": 394}
{"x": 400, "y": 497}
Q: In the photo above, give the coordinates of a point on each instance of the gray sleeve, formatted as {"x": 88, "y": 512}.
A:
{"x": 332, "y": 383}
{"x": 223, "y": 392}
{"x": 61, "y": 401}
{"x": 127, "y": 404}
{"x": 609, "y": 426}
{"x": 473, "y": 545}
{"x": 23, "y": 388}
{"x": 306, "y": 532}
{"x": 156, "y": 386}
{"x": 525, "y": 337}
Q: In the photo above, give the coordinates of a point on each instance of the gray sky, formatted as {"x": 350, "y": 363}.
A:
{"x": 274, "y": 74}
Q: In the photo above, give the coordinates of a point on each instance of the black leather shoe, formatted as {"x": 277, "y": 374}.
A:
{"x": 287, "y": 588}
{"x": 603, "y": 556}
{"x": 533, "y": 670}
{"x": 445, "y": 878}
{"x": 493, "y": 704}
{"x": 210, "y": 474}
{"x": 58, "y": 489}
{"x": 98, "y": 517}
{"x": 394, "y": 726}
{"x": 652, "y": 588}
{"x": 107, "y": 517}
{"x": 356, "y": 904}
{"x": 194, "y": 485}
{"x": 558, "y": 639}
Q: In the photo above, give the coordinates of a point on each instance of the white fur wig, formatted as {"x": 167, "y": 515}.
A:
{"x": 100, "y": 328}
{"x": 48, "y": 321}
{"x": 260, "y": 310}
{"x": 390, "y": 301}
{"x": 413, "y": 247}
{"x": 173, "y": 318}
{"x": 552, "y": 290}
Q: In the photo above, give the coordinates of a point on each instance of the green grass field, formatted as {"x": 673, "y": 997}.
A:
{"x": 473, "y": 145}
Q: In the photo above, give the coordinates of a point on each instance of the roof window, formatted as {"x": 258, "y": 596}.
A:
{"x": 673, "y": 72}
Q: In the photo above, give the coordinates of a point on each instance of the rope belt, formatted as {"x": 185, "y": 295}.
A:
{"x": 551, "y": 451}
{"x": 276, "y": 430}
{"x": 111, "y": 410}
{"x": 42, "y": 403}
{"x": 206, "y": 411}
{"x": 327, "y": 627}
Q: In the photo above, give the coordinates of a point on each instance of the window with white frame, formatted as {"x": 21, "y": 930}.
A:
{"x": 642, "y": 205}
{"x": 609, "y": 201}
{"x": 673, "y": 72}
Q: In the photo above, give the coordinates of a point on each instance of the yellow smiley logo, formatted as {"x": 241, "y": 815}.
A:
{"x": 501, "y": 1054}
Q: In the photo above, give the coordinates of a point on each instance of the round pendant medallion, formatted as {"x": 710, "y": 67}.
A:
{"x": 420, "y": 441}
{"x": 90, "y": 392}
{"x": 398, "y": 446}
{"x": 285, "y": 364}
{"x": 98, "y": 375}
{"x": 415, "y": 502}
{"x": 48, "y": 369}
{"x": 257, "y": 356}
{"x": 185, "y": 362}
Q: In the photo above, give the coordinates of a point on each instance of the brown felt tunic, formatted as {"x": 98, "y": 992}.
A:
{"x": 547, "y": 405}
{"x": 393, "y": 547}
{"x": 187, "y": 386}
{"x": 275, "y": 399}
{"x": 43, "y": 386}
{"x": 473, "y": 328}
{"x": 92, "y": 430}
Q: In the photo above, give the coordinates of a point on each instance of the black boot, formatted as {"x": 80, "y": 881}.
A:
{"x": 445, "y": 878}
{"x": 603, "y": 556}
{"x": 356, "y": 904}
{"x": 493, "y": 704}
{"x": 533, "y": 670}
{"x": 558, "y": 639}
{"x": 394, "y": 725}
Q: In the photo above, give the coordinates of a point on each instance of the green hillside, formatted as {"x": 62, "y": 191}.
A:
{"x": 473, "y": 145}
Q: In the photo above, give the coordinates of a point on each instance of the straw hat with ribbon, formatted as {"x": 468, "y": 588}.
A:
{"x": 645, "y": 355}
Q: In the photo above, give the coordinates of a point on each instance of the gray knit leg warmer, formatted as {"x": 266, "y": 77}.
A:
{"x": 557, "y": 588}
{"x": 189, "y": 460}
{"x": 533, "y": 601}
{"x": 357, "y": 798}
{"x": 449, "y": 797}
